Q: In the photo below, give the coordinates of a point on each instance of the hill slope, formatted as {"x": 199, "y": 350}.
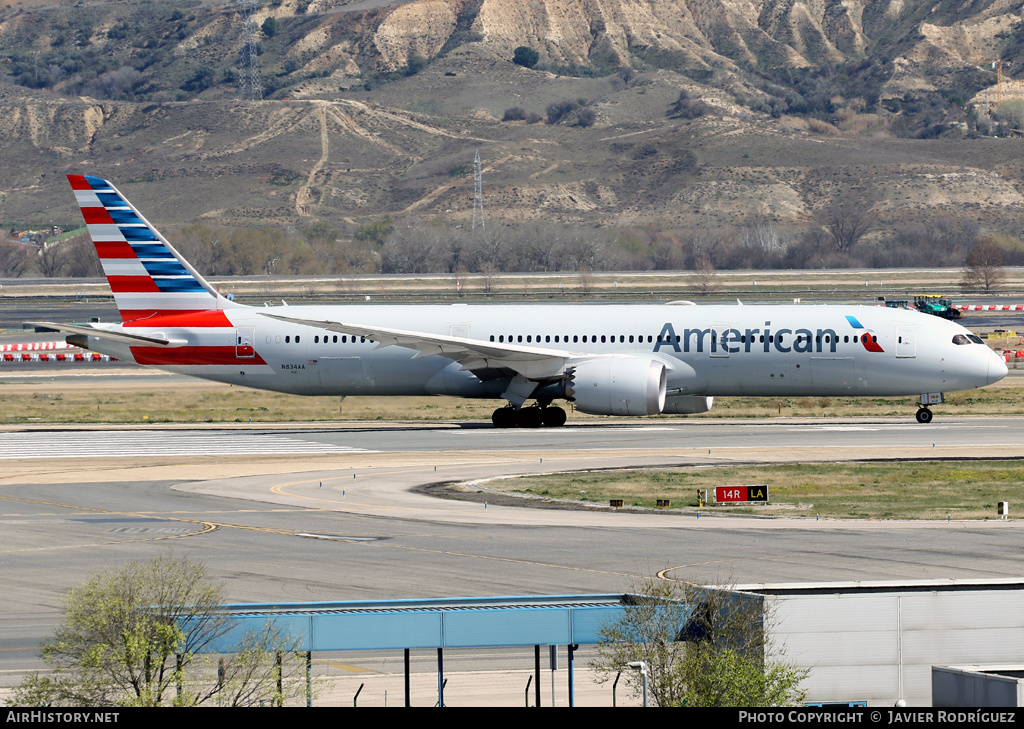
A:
{"x": 794, "y": 106}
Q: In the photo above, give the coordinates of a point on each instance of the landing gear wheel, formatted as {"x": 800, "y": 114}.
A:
{"x": 553, "y": 417}
{"x": 924, "y": 416}
{"x": 504, "y": 418}
{"x": 529, "y": 417}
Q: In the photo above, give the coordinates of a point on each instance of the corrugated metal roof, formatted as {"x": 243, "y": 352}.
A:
{"x": 465, "y": 622}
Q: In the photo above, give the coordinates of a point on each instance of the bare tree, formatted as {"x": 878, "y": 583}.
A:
{"x": 15, "y": 259}
{"x": 53, "y": 258}
{"x": 847, "y": 221}
{"x": 586, "y": 280}
{"x": 704, "y": 275}
{"x": 983, "y": 267}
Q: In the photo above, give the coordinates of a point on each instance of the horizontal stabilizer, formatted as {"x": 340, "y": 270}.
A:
{"x": 108, "y": 334}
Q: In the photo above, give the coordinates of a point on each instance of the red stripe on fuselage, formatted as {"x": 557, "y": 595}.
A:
{"x": 203, "y": 318}
{"x": 192, "y": 356}
{"x": 114, "y": 249}
{"x": 96, "y": 215}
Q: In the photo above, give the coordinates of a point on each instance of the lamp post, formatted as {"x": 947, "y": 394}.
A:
{"x": 642, "y": 667}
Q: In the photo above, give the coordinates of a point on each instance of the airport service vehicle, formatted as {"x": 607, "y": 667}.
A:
{"x": 628, "y": 360}
{"x": 932, "y": 304}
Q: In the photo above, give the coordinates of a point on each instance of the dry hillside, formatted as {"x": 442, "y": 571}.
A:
{"x": 375, "y": 109}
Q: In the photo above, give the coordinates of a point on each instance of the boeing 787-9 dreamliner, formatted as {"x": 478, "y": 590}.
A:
{"x": 606, "y": 359}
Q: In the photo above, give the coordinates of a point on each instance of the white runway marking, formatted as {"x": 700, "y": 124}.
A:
{"x": 575, "y": 429}
{"x": 128, "y": 444}
{"x": 864, "y": 428}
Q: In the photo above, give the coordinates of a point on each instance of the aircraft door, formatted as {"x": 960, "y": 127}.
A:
{"x": 720, "y": 342}
{"x": 906, "y": 341}
{"x": 244, "y": 337}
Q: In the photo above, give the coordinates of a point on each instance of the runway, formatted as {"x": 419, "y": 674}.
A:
{"x": 325, "y": 513}
{"x": 806, "y": 438}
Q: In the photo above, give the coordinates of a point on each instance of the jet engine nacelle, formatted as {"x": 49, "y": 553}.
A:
{"x": 618, "y": 386}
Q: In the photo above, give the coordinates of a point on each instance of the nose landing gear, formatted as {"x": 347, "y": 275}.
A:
{"x": 924, "y": 414}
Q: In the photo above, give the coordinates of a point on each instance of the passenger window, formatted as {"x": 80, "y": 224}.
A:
{"x": 288, "y": 339}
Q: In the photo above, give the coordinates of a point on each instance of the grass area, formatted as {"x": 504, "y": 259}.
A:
{"x": 167, "y": 401}
{"x": 157, "y": 399}
{"x": 873, "y": 490}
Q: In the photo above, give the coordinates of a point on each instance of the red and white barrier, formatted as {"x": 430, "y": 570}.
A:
{"x": 34, "y": 346}
{"x": 990, "y": 307}
{"x": 62, "y": 357}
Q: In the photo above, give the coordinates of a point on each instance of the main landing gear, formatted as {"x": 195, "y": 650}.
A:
{"x": 924, "y": 416}
{"x": 536, "y": 416}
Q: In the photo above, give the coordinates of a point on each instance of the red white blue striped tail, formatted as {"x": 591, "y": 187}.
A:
{"x": 148, "y": 277}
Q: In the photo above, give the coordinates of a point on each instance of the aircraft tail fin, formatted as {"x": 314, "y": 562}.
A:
{"x": 148, "y": 277}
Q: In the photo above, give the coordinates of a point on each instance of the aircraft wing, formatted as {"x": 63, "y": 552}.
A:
{"x": 535, "y": 363}
{"x": 109, "y": 334}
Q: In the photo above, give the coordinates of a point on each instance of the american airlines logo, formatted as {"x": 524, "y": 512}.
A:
{"x": 867, "y": 339}
{"x": 725, "y": 340}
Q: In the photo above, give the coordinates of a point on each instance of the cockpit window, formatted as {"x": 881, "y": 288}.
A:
{"x": 961, "y": 339}
{"x": 975, "y": 339}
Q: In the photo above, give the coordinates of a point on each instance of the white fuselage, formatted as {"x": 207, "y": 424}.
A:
{"x": 763, "y": 350}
